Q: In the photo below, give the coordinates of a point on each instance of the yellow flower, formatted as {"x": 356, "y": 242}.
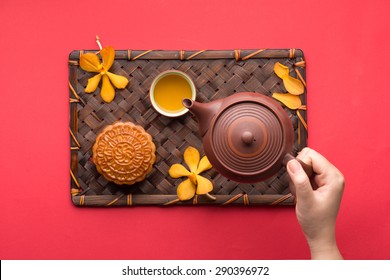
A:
{"x": 292, "y": 85}
{"x": 289, "y": 100}
{"x": 195, "y": 183}
{"x": 90, "y": 62}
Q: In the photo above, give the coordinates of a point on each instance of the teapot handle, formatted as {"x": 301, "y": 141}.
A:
{"x": 307, "y": 168}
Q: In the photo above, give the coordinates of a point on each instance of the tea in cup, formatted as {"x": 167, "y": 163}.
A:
{"x": 168, "y": 90}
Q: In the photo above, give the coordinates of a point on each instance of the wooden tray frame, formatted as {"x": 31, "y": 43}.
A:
{"x": 141, "y": 66}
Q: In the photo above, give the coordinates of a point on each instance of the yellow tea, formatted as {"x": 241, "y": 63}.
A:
{"x": 170, "y": 91}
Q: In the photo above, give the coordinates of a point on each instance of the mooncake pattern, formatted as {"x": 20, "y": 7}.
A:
{"x": 124, "y": 153}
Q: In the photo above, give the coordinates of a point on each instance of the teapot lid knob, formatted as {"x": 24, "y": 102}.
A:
{"x": 247, "y": 137}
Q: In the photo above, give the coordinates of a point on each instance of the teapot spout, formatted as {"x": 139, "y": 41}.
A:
{"x": 204, "y": 112}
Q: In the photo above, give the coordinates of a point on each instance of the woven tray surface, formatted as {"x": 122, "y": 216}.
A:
{"x": 216, "y": 74}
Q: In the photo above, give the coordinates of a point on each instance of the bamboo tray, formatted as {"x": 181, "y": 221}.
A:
{"x": 216, "y": 74}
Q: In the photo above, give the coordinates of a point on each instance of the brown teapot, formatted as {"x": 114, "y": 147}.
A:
{"x": 247, "y": 136}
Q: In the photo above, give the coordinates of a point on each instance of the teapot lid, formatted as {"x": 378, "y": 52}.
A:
{"x": 249, "y": 139}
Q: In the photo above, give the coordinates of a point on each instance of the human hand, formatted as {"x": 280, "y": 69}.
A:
{"x": 318, "y": 202}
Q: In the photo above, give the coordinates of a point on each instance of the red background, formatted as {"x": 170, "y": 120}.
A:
{"x": 346, "y": 44}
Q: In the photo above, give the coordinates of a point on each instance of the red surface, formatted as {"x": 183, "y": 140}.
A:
{"x": 347, "y": 51}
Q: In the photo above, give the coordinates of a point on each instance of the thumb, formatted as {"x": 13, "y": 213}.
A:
{"x": 299, "y": 180}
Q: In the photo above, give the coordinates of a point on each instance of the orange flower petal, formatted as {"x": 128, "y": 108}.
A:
{"x": 93, "y": 83}
{"x": 107, "y": 92}
{"x": 117, "y": 80}
{"x": 192, "y": 177}
{"x": 290, "y": 101}
{"x": 204, "y": 165}
{"x": 90, "y": 62}
{"x": 108, "y": 56}
{"x": 293, "y": 86}
{"x": 204, "y": 185}
{"x": 178, "y": 170}
{"x": 191, "y": 158}
{"x": 186, "y": 190}
{"x": 280, "y": 70}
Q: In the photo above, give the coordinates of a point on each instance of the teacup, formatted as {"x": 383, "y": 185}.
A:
{"x": 168, "y": 90}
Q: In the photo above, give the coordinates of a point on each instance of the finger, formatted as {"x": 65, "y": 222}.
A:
{"x": 299, "y": 179}
{"x": 323, "y": 169}
{"x": 292, "y": 187}
{"x": 320, "y": 164}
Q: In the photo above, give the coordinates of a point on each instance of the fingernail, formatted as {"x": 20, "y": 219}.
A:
{"x": 294, "y": 166}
